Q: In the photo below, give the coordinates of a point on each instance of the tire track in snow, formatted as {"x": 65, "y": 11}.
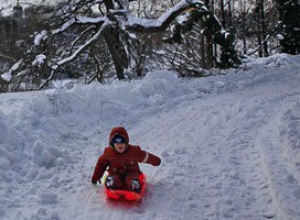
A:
{"x": 216, "y": 172}
{"x": 280, "y": 163}
{"x": 242, "y": 184}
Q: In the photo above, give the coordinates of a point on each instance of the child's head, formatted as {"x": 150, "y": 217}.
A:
{"x": 119, "y": 139}
{"x": 119, "y": 143}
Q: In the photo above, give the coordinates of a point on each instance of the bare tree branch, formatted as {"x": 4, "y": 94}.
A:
{"x": 81, "y": 35}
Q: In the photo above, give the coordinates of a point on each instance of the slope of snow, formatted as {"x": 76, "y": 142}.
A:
{"x": 229, "y": 145}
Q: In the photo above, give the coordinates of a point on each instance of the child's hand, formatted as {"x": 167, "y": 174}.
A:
{"x": 94, "y": 182}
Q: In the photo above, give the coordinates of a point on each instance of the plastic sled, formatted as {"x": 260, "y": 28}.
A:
{"x": 122, "y": 194}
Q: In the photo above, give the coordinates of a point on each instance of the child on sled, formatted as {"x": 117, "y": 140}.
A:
{"x": 121, "y": 159}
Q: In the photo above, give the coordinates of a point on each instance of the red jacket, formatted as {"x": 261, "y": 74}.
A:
{"x": 127, "y": 162}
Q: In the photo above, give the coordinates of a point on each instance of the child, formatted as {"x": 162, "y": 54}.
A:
{"x": 122, "y": 160}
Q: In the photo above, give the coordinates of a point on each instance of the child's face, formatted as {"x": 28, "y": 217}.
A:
{"x": 120, "y": 147}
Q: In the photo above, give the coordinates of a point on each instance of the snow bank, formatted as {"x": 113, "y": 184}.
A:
{"x": 9, "y": 142}
{"x": 50, "y": 143}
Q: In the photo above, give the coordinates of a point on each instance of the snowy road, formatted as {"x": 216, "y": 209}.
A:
{"x": 229, "y": 145}
{"x": 215, "y": 165}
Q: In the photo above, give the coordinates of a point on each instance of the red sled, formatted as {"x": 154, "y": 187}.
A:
{"x": 122, "y": 194}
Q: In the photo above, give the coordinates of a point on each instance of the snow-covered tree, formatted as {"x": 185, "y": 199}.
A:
{"x": 79, "y": 26}
{"x": 16, "y": 43}
{"x": 289, "y": 19}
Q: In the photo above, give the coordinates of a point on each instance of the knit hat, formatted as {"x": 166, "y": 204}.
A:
{"x": 120, "y": 131}
{"x": 118, "y": 139}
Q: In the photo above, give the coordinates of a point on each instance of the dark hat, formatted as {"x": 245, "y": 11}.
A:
{"x": 118, "y": 139}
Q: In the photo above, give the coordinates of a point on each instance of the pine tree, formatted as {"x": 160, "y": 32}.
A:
{"x": 289, "y": 19}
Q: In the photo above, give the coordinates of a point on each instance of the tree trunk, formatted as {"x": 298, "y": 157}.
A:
{"x": 231, "y": 24}
{"x": 209, "y": 42}
{"x": 259, "y": 41}
{"x": 244, "y": 27}
{"x": 202, "y": 51}
{"x": 209, "y": 51}
{"x": 117, "y": 50}
{"x": 223, "y": 14}
{"x": 264, "y": 28}
{"x": 258, "y": 27}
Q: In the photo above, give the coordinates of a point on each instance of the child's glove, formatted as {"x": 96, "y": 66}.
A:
{"x": 94, "y": 182}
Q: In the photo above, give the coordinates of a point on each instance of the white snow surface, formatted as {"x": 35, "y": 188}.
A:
{"x": 229, "y": 146}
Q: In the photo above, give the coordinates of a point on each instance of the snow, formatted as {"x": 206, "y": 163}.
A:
{"x": 156, "y": 23}
{"x": 39, "y": 37}
{"x": 39, "y": 60}
{"x": 7, "y": 76}
{"x": 78, "y": 20}
{"x": 229, "y": 145}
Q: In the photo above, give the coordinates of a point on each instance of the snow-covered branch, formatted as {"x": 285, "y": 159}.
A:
{"x": 160, "y": 24}
{"x": 81, "y": 35}
{"x": 83, "y": 47}
{"x": 79, "y": 20}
